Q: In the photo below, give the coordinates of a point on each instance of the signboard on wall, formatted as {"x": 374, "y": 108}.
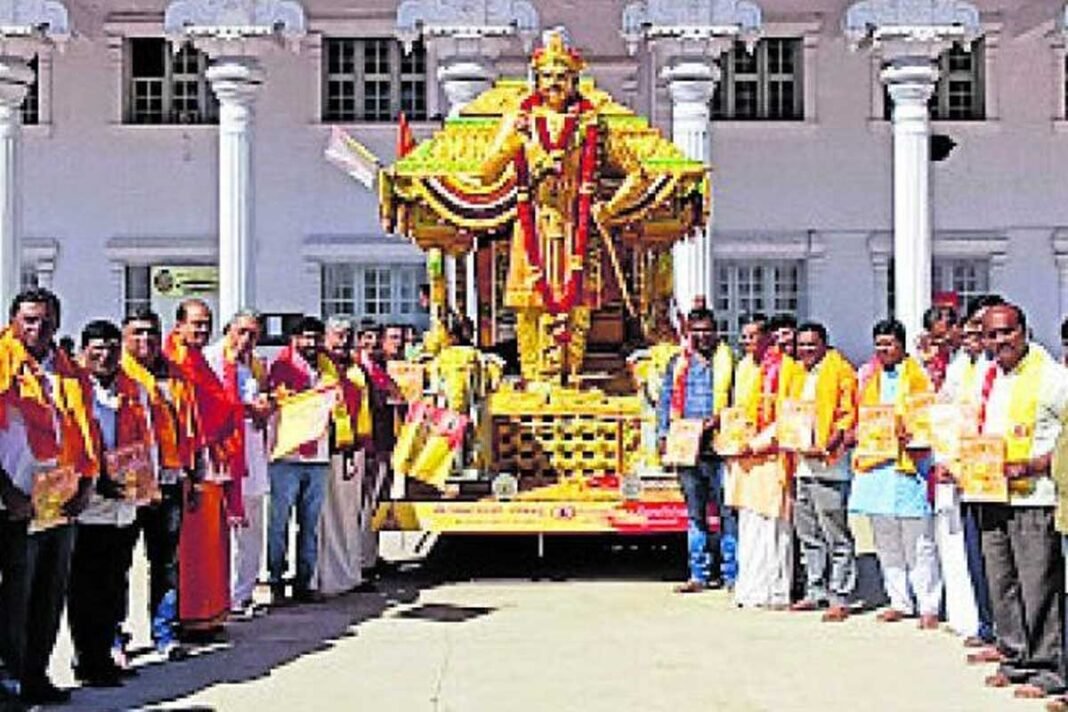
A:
{"x": 171, "y": 284}
{"x": 185, "y": 281}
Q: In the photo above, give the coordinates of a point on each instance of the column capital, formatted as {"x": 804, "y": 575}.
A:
{"x": 910, "y": 83}
{"x": 25, "y": 25}
{"x": 711, "y": 23}
{"x": 478, "y": 20}
{"x": 235, "y": 79}
{"x": 691, "y": 82}
{"x": 911, "y": 27}
{"x": 235, "y": 28}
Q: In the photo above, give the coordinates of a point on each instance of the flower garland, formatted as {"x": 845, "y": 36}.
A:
{"x": 573, "y": 282}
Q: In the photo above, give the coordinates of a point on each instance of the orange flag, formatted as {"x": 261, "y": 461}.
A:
{"x": 405, "y": 139}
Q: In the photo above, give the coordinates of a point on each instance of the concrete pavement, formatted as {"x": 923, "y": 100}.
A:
{"x": 600, "y": 629}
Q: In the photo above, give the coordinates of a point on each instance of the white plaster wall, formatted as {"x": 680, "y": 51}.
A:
{"x": 87, "y": 179}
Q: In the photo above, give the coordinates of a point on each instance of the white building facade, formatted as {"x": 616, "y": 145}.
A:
{"x": 119, "y": 170}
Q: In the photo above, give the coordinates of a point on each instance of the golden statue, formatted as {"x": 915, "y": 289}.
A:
{"x": 567, "y": 176}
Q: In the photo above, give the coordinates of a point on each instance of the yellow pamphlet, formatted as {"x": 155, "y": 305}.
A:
{"x": 52, "y": 488}
{"x": 735, "y": 431}
{"x": 131, "y": 467}
{"x": 917, "y": 418}
{"x": 876, "y": 432}
{"x": 982, "y": 469}
{"x": 683, "y": 442}
{"x": 795, "y": 425}
{"x": 409, "y": 378}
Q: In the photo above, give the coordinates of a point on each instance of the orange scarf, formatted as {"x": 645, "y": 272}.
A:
{"x": 58, "y": 422}
{"x": 220, "y": 419}
{"x": 173, "y": 420}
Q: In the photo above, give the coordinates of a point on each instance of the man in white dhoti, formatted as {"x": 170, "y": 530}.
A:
{"x": 234, "y": 360}
{"x": 340, "y": 536}
{"x": 758, "y": 480}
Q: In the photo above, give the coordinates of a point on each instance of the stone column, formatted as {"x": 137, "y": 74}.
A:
{"x": 910, "y": 83}
{"x": 235, "y": 81}
{"x": 15, "y": 80}
{"x": 691, "y": 84}
{"x": 462, "y": 79}
{"x": 908, "y": 36}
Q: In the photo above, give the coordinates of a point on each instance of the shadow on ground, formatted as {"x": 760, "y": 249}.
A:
{"x": 250, "y": 650}
{"x": 253, "y": 649}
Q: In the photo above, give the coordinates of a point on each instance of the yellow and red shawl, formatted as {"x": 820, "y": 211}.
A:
{"x": 59, "y": 425}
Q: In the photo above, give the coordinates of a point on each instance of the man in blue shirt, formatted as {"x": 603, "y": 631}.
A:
{"x": 687, "y": 392}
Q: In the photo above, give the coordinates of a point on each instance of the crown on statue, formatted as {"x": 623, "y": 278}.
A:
{"x": 555, "y": 51}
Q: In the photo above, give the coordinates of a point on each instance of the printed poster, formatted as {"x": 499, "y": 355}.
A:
{"x": 876, "y": 432}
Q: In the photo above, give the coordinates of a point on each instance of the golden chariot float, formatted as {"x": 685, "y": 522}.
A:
{"x": 571, "y": 204}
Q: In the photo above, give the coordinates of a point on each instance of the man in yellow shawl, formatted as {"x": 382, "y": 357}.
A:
{"x": 893, "y": 491}
{"x": 821, "y": 519}
{"x": 1023, "y": 396}
{"x": 758, "y": 479}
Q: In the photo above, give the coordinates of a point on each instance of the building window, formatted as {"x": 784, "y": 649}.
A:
{"x": 137, "y": 291}
{"x": 960, "y": 94}
{"x": 966, "y": 278}
{"x": 763, "y": 85}
{"x": 386, "y": 293}
{"x": 28, "y": 277}
{"x": 746, "y": 286}
{"x": 167, "y": 87}
{"x": 373, "y": 80}
{"x": 31, "y": 105}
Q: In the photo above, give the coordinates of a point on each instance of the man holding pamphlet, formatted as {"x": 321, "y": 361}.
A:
{"x": 686, "y": 418}
{"x": 758, "y": 475}
{"x": 1022, "y": 397}
{"x": 49, "y": 461}
{"x": 821, "y": 519}
{"x": 103, "y": 550}
{"x": 890, "y": 483}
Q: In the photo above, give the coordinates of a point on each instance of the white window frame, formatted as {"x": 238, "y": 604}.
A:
{"x": 804, "y": 249}
{"x": 764, "y": 78}
{"x": 360, "y": 275}
{"x": 359, "y": 78}
{"x": 39, "y": 259}
{"x": 43, "y": 87}
{"x": 208, "y": 114}
{"x": 948, "y": 247}
{"x": 359, "y": 251}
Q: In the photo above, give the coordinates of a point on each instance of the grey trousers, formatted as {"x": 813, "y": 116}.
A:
{"x": 1024, "y": 568}
{"x": 908, "y": 557}
{"x": 822, "y": 525}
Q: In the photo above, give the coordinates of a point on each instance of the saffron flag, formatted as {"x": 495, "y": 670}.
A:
{"x": 353, "y": 157}
{"x": 303, "y": 417}
{"x": 405, "y": 138}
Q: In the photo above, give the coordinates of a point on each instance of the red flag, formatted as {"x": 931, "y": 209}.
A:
{"x": 405, "y": 139}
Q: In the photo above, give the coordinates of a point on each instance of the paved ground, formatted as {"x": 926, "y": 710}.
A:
{"x": 596, "y": 628}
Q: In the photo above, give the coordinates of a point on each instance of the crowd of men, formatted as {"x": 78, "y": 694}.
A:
{"x": 198, "y": 414}
{"x": 994, "y": 571}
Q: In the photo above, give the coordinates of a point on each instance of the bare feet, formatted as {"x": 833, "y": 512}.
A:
{"x": 835, "y": 614}
{"x": 928, "y": 622}
{"x": 890, "y": 615}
